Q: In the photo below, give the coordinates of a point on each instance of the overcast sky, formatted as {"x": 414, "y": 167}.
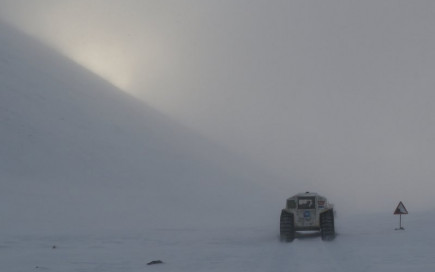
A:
{"x": 335, "y": 95}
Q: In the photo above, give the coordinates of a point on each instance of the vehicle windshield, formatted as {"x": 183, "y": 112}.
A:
{"x": 306, "y": 202}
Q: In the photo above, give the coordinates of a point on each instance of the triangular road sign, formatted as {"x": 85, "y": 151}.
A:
{"x": 400, "y": 209}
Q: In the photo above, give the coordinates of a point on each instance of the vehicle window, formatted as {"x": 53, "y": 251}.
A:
{"x": 291, "y": 204}
{"x": 306, "y": 203}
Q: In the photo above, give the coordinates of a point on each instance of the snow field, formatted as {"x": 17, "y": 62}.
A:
{"x": 364, "y": 243}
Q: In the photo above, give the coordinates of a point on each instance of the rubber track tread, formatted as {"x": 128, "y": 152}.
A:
{"x": 327, "y": 225}
{"x": 287, "y": 226}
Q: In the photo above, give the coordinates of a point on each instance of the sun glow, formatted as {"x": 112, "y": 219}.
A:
{"x": 128, "y": 47}
{"x": 108, "y": 61}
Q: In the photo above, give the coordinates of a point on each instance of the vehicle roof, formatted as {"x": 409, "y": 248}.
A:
{"x": 305, "y": 194}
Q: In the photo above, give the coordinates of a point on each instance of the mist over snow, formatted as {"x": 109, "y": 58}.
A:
{"x": 78, "y": 154}
{"x": 198, "y": 111}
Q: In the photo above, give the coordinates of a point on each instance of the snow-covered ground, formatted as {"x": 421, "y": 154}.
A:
{"x": 364, "y": 243}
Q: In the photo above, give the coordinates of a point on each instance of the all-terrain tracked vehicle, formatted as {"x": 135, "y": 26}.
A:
{"x": 307, "y": 212}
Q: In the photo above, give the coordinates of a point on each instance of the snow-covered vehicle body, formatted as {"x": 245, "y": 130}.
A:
{"x": 307, "y": 212}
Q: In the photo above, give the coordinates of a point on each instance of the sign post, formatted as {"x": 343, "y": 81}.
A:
{"x": 400, "y": 210}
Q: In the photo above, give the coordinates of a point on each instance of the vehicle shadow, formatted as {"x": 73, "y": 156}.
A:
{"x": 301, "y": 235}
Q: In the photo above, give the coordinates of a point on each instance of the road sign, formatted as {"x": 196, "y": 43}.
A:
{"x": 401, "y": 209}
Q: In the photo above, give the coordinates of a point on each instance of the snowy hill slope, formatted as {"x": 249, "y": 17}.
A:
{"x": 76, "y": 152}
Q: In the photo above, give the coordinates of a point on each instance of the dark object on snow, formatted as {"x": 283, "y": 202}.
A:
{"x": 53, "y": 247}
{"x": 155, "y": 262}
{"x": 307, "y": 212}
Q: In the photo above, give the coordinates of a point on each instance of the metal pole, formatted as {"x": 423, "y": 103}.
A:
{"x": 400, "y": 224}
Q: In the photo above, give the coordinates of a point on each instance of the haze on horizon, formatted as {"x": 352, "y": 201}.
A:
{"x": 334, "y": 95}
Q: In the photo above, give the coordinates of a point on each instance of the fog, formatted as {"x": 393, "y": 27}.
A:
{"x": 332, "y": 96}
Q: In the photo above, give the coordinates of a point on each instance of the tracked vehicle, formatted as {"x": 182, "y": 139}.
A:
{"x": 307, "y": 212}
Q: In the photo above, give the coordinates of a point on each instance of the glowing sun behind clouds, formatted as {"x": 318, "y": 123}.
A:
{"x": 108, "y": 61}
{"x": 116, "y": 41}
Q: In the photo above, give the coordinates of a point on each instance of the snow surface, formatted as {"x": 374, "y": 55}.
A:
{"x": 364, "y": 243}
